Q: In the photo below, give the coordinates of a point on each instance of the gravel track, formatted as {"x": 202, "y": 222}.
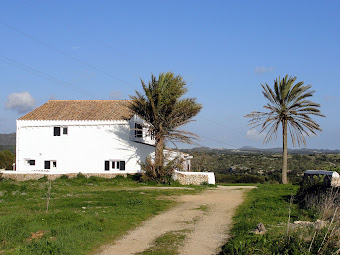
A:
{"x": 206, "y": 216}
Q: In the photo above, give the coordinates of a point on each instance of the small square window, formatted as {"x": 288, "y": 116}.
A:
{"x": 47, "y": 165}
{"x": 31, "y": 162}
{"x": 56, "y": 131}
{"x": 107, "y": 165}
{"x": 54, "y": 164}
{"x": 122, "y": 165}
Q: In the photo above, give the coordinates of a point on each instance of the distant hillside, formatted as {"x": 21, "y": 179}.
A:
{"x": 7, "y": 142}
{"x": 7, "y": 139}
{"x": 249, "y": 149}
{"x": 294, "y": 151}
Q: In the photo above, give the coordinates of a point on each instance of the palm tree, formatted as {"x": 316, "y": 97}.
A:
{"x": 162, "y": 106}
{"x": 288, "y": 106}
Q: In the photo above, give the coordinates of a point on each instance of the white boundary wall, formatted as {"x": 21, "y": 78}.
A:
{"x": 196, "y": 177}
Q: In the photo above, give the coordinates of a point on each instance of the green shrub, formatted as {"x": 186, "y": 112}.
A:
{"x": 157, "y": 174}
{"x": 43, "y": 179}
{"x": 7, "y": 158}
{"x": 80, "y": 176}
{"x": 239, "y": 178}
{"x": 247, "y": 178}
{"x": 64, "y": 177}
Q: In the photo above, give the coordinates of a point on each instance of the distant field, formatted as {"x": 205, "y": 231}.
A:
{"x": 83, "y": 213}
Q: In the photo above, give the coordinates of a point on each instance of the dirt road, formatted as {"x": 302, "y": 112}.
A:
{"x": 205, "y": 217}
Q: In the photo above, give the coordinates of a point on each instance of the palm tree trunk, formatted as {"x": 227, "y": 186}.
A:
{"x": 159, "y": 155}
{"x": 285, "y": 152}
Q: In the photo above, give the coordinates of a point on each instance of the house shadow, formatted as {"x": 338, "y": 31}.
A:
{"x": 122, "y": 141}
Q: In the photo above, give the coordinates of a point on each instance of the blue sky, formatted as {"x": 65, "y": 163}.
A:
{"x": 223, "y": 49}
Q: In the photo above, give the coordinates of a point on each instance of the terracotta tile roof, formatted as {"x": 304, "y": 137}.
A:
{"x": 81, "y": 110}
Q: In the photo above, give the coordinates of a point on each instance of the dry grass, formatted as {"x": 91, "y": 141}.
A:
{"x": 327, "y": 205}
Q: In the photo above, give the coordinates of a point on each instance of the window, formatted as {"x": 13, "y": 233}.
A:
{"x": 47, "y": 165}
{"x": 56, "y": 131}
{"x": 122, "y": 165}
{"x": 30, "y": 162}
{"x": 153, "y": 135}
{"x": 107, "y": 165}
{"x": 138, "y": 130}
{"x": 114, "y": 165}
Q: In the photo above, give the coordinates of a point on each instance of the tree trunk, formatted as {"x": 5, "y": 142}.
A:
{"x": 159, "y": 156}
{"x": 285, "y": 152}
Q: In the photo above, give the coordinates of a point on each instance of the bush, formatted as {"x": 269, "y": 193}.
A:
{"x": 7, "y": 158}
{"x": 247, "y": 178}
{"x": 64, "y": 177}
{"x": 157, "y": 174}
{"x": 223, "y": 178}
{"x": 241, "y": 178}
{"x": 320, "y": 198}
{"x": 80, "y": 176}
{"x": 43, "y": 179}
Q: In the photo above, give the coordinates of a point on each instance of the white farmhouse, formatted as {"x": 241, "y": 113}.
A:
{"x": 87, "y": 136}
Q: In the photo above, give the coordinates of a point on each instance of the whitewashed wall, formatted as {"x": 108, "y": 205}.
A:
{"x": 85, "y": 148}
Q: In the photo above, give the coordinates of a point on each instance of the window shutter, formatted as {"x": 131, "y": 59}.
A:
{"x": 56, "y": 131}
{"x": 122, "y": 165}
{"x": 113, "y": 165}
{"x": 47, "y": 165}
{"x": 107, "y": 165}
{"x": 65, "y": 131}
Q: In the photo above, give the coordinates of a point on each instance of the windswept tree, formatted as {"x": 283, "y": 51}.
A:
{"x": 161, "y": 105}
{"x": 289, "y": 106}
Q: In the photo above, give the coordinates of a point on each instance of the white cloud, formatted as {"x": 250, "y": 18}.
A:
{"x": 255, "y": 134}
{"x": 115, "y": 94}
{"x": 263, "y": 69}
{"x": 21, "y": 102}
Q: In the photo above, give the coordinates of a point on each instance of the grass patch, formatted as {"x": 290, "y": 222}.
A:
{"x": 167, "y": 244}
{"x": 83, "y": 213}
{"x": 269, "y": 204}
{"x": 238, "y": 184}
{"x": 203, "y": 208}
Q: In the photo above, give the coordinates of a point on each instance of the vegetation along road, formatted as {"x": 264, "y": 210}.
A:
{"x": 199, "y": 224}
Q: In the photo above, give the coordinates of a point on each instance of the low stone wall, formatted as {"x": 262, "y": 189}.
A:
{"x": 184, "y": 178}
{"x": 335, "y": 182}
{"x": 194, "y": 178}
{"x": 17, "y": 176}
{"x": 330, "y": 178}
